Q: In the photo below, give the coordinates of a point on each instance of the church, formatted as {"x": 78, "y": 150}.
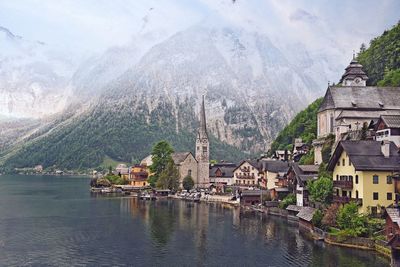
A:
{"x": 196, "y": 166}
{"x": 352, "y": 105}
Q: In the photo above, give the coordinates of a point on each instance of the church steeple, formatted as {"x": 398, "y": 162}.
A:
{"x": 202, "y": 151}
{"x": 202, "y": 133}
{"x": 354, "y": 74}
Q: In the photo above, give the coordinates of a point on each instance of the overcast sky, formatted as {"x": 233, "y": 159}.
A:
{"x": 97, "y": 24}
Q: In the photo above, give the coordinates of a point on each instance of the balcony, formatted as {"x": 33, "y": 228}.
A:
{"x": 344, "y": 200}
{"x": 244, "y": 169}
{"x": 343, "y": 184}
{"x": 245, "y": 176}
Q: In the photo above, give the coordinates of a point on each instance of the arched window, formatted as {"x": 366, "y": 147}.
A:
{"x": 343, "y": 162}
{"x": 356, "y": 194}
{"x": 356, "y": 178}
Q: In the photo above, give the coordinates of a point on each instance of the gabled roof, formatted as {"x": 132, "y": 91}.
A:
{"x": 180, "y": 157}
{"x": 306, "y": 213}
{"x": 391, "y": 121}
{"x": 367, "y": 156}
{"x": 394, "y": 215}
{"x": 254, "y": 163}
{"x": 361, "y": 97}
{"x": 304, "y": 172}
{"x": 274, "y": 166}
{"x": 227, "y": 170}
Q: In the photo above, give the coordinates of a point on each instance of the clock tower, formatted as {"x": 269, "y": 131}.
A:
{"x": 354, "y": 75}
{"x": 202, "y": 151}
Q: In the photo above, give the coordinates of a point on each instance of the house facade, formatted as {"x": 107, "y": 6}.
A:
{"x": 247, "y": 174}
{"x": 387, "y": 128}
{"x": 363, "y": 172}
{"x": 221, "y": 174}
{"x": 138, "y": 176}
{"x": 274, "y": 176}
{"x": 299, "y": 176}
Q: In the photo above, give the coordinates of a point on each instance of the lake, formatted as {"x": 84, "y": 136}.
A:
{"x": 56, "y": 221}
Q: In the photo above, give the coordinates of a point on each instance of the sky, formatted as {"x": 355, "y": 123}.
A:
{"x": 95, "y": 25}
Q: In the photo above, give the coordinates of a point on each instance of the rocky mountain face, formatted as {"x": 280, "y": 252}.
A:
{"x": 132, "y": 96}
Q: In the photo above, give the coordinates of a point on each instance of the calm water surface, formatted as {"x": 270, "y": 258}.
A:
{"x": 55, "y": 221}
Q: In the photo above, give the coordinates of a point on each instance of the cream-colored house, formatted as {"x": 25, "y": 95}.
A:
{"x": 247, "y": 174}
{"x": 363, "y": 172}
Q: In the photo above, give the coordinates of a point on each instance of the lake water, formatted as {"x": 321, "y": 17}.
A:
{"x": 56, "y": 221}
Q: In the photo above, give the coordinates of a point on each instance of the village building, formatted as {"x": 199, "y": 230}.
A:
{"x": 221, "y": 174}
{"x": 387, "y": 128}
{"x": 247, "y": 174}
{"x": 299, "y": 149}
{"x": 138, "y": 176}
{"x": 299, "y": 176}
{"x": 283, "y": 155}
{"x": 363, "y": 172}
{"x": 38, "y": 168}
{"x": 273, "y": 173}
{"x": 252, "y": 197}
{"x": 305, "y": 216}
{"x": 122, "y": 170}
{"x": 392, "y": 229}
{"x": 186, "y": 164}
{"x": 349, "y": 106}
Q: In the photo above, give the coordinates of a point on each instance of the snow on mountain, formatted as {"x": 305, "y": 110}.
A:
{"x": 33, "y": 77}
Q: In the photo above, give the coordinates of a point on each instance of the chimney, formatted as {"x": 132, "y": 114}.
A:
{"x": 385, "y": 148}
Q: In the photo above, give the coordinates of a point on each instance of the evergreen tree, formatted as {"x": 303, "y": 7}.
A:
{"x": 161, "y": 155}
{"x": 169, "y": 177}
{"x": 188, "y": 183}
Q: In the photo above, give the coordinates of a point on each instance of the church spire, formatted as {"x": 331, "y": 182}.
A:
{"x": 203, "y": 127}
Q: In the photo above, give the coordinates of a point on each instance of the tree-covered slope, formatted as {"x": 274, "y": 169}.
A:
{"x": 113, "y": 129}
{"x": 381, "y": 60}
{"x": 304, "y": 125}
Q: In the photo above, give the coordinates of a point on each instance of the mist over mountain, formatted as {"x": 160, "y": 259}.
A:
{"x": 256, "y": 76}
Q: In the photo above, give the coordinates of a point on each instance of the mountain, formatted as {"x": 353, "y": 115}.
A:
{"x": 34, "y": 77}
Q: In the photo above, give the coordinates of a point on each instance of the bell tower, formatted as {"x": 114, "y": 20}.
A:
{"x": 202, "y": 151}
{"x": 354, "y": 74}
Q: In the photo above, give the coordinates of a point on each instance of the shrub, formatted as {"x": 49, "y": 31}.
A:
{"x": 329, "y": 219}
{"x": 351, "y": 221}
{"x": 317, "y": 218}
{"x": 288, "y": 200}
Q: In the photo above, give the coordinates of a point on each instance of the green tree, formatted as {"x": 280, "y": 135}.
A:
{"x": 161, "y": 155}
{"x": 188, "y": 183}
{"x": 321, "y": 190}
{"x": 349, "y": 220}
{"x": 169, "y": 177}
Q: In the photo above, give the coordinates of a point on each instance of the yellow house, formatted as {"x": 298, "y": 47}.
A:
{"x": 363, "y": 171}
{"x": 138, "y": 176}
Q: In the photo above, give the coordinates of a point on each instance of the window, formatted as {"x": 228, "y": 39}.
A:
{"x": 349, "y": 194}
{"x": 375, "y": 196}
{"x": 356, "y": 179}
{"x": 189, "y": 172}
{"x": 351, "y": 178}
{"x": 389, "y": 196}
{"x": 389, "y": 179}
{"x": 338, "y": 162}
{"x": 375, "y": 179}
{"x": 349, "y": 162}
{"x": 204, "y": 149}
{"x": 343, "y": 162}
{"x": 356, "y": 194}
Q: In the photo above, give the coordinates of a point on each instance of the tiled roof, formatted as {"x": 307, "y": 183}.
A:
{"x": 309, "y": 168}
{"x": 394, "y": 215}
{"x": 367, "y": 155}
{"x": 366, "y": 114}
{"x": 227, "y": 170}
{"x": 294, "y": 208}
{"x": 179, "y": 157}
{"x": 354, "y": 70}
{"x": 363, "y": 97}
{"x": 275, "y": 166}
{"x": 391, "y": 121}
{"x": 306, "y": 213}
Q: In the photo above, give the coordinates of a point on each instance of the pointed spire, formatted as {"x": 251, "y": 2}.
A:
{"x": 203, "y": 127}
{"x": 354, "y": 54}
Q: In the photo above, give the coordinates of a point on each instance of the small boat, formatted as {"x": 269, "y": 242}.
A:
{"x": 106, "y": 190}
{"x": 148, "y": 197}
